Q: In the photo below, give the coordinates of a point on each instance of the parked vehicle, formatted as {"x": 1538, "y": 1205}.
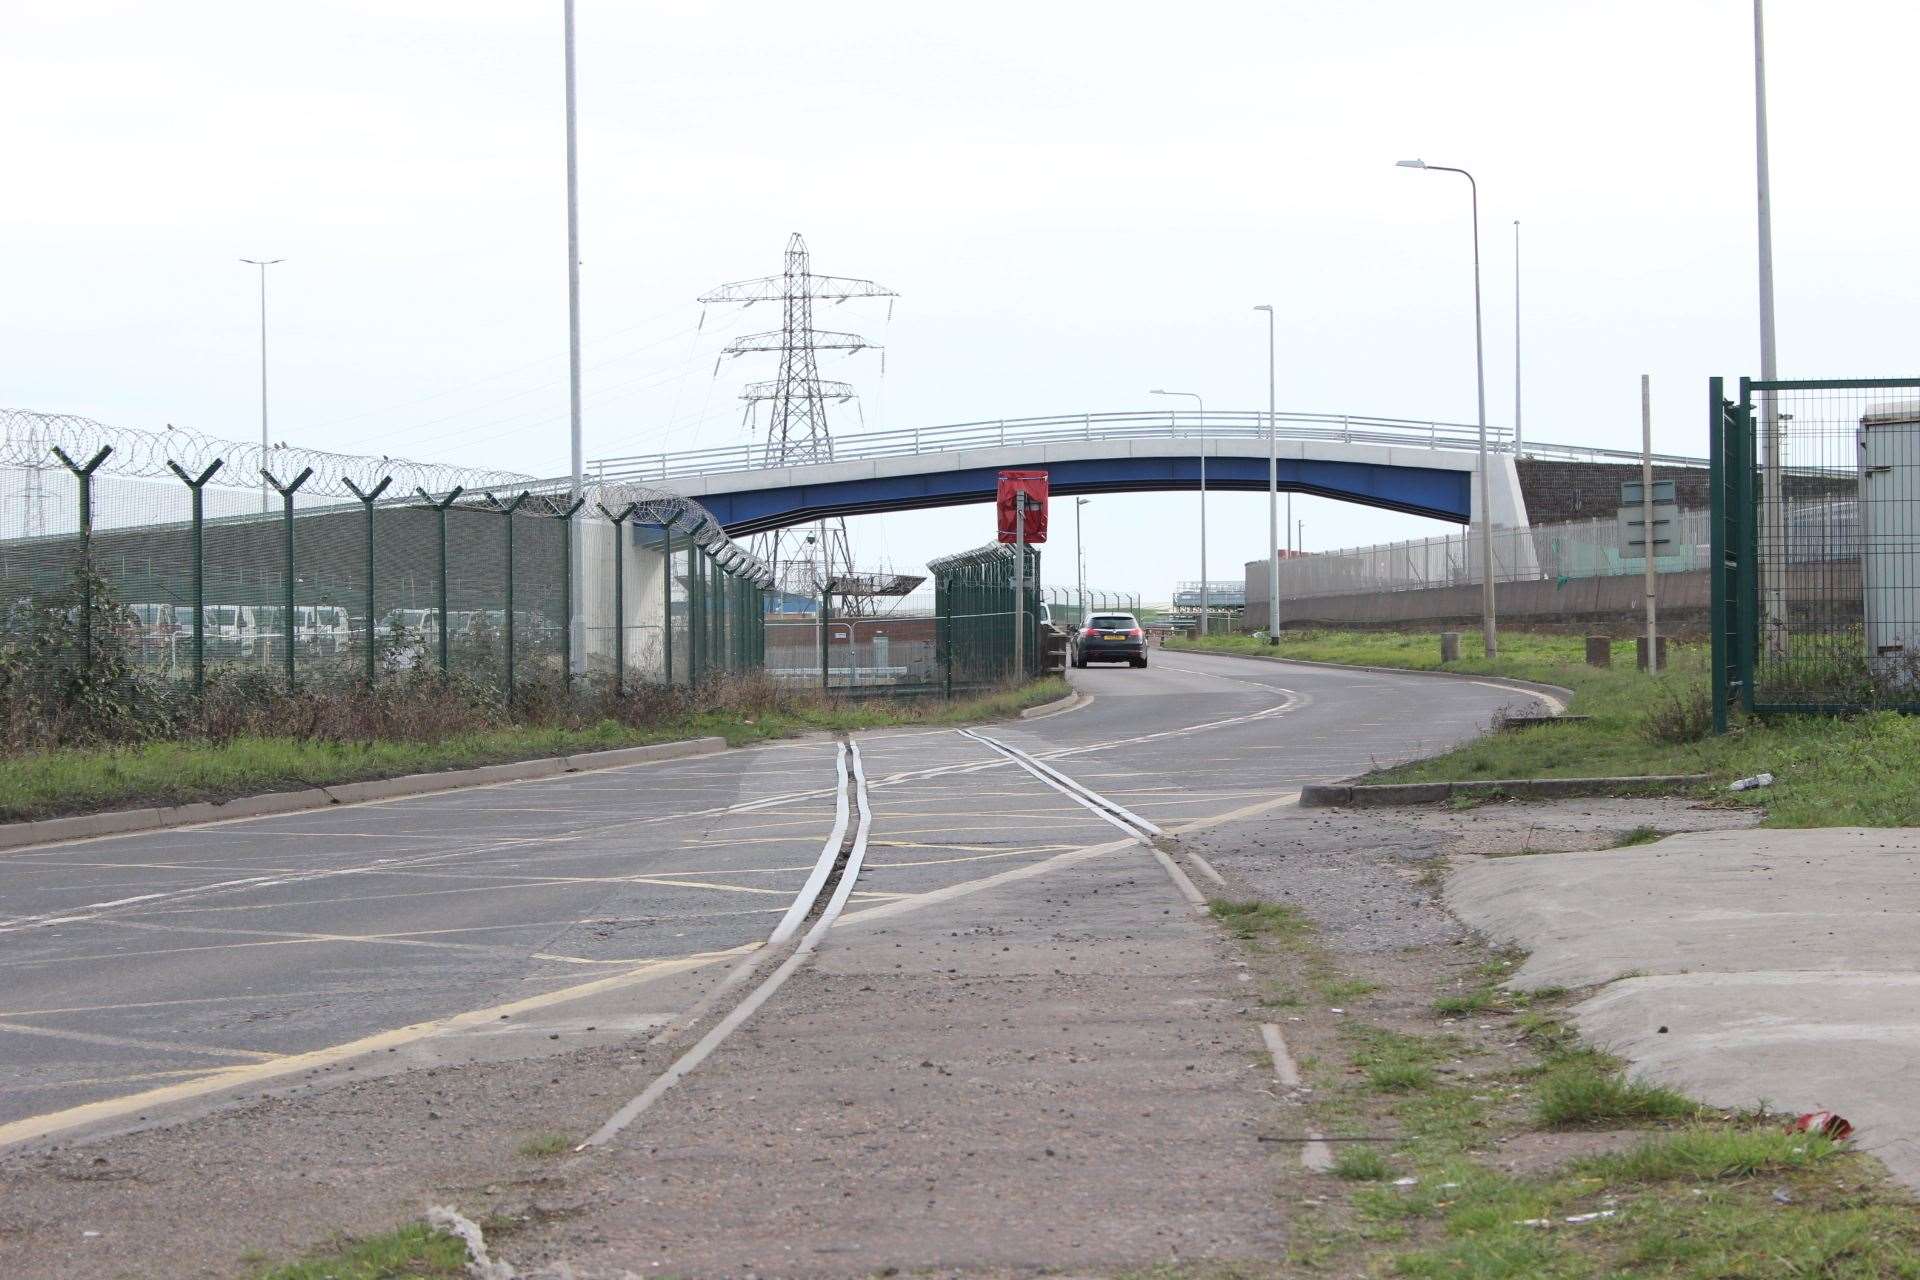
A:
{"x": 158, "y": 629}
{"x": 229, "y": 630}
{"x": 323, "y": 629}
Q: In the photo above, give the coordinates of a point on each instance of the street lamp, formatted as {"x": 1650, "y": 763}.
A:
{"x": 1195, "y": 397}
{"x": 263, "y": 264}
{"x": 1273, "y": 494}
{"x": 1080, "y": 561}
{"x": 1487, "y": 634}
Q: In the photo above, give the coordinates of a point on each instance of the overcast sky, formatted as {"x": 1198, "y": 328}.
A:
{"x": 1076, "y": 202}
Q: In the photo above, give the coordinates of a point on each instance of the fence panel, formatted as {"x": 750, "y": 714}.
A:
{"x": 202, "y": 559}
{"x": 1825, "y": 516}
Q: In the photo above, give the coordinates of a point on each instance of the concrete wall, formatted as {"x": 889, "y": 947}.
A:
{"x": 1683, "y": 598}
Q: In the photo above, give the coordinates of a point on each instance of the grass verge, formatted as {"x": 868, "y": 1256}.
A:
{"x": 1489, "y": 1144}
{"x": 416, "y": 1252}
{"x": 1829, "y": 770}
{"x": 87, "y": 779}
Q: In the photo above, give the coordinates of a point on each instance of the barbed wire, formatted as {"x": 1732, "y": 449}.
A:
{"x": 28, "y": 440}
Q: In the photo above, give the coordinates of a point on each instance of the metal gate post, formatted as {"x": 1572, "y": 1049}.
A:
{"x": 507, "y": 510}
{"x": 1747, "y": 583}
{"x": 666, "y": 595}
{"x": 440, "y": 512}
{"x": 565, "y": 517}
{"x": 199, "y": 567}
{"x": 286, "y": 492}
{"x": 84, "y": 474}
{"x": 1717, "y": 547}
{"x": 619, "y": 595}
{"x": 826, "y": 643}
{"x": 367, "y": 499}
{"x": 696, "y": 618}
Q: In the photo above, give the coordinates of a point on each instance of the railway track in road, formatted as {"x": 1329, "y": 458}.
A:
{"x": 825, "y": 893}
{"x": 820, "y": 900}
{"x": 1111, "y": 811}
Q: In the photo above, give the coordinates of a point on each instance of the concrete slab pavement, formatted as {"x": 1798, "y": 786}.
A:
{"x": 1740, "y": 966}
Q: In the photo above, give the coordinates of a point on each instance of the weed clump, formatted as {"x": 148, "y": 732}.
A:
{"x": 1584, "y": 1089}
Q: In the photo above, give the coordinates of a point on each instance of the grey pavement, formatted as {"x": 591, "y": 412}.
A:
{"x": 1739, "y": 966}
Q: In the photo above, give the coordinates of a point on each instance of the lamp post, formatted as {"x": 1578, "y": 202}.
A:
{"x": 1080, "y": 563}
{"x": 1273, "y": 493}
{"x": 1202, "y": 404}
{"x": 263, "y": 264}
{"x": 1487, "y": 634}
{"x": 1516, "y": 338}
{"x": 1773, "y": 587}
{"x": 577, "y": 466}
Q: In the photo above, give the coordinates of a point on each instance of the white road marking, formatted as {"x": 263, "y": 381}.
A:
{"x": 1314, "y": 1154}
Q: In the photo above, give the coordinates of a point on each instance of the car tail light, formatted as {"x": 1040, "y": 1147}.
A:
{"x": 1134, "y": 633}
{"x": 1091, "y": 631}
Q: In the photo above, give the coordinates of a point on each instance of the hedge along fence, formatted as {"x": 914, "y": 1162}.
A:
{"x": 321, "y": 567}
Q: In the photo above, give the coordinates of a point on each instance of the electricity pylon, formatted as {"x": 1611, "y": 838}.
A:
{"x": 803, "y": 561}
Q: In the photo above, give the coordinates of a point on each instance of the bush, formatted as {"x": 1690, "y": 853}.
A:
{"x": 1681, "y": 713}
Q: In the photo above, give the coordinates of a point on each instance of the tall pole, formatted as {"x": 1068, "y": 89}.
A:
{"x": 1516, "y": 337}
{"x": 1273, "y": 492}
{"x": 1488, "y": 635}
{"x": 1019, "y": 586}
{"x": 1773, "y": 514}
{"x": 265, "y": 445}
{"x": 1079, "y": 564}
{"x": 1202, "y": 405}
{"x": 1646, "y": 520}
{"x": 576, "y": 659}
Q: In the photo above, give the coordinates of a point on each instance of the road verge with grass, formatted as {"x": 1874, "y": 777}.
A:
{"x": 71, "y": 780}
{"x": 1828, "y": 770}
{"x": 1475, "y": 1136}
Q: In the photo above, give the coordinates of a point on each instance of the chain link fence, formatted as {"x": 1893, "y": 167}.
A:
{"x": 975, "y": 609}
{"x": 1069, "y": 608}
{"x": 181, "y": 556}
{"x": 1816, "y": 556}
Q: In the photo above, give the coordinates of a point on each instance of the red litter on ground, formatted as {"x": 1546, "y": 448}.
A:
{"x": 1825, "y": 1123}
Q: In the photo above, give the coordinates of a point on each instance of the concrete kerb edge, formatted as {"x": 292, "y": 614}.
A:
{"x": 1523, "y": 686}
{"x": 17, "y": 835}
{"x": 1059, "y": 706}
{"x": 1352, "y": 796}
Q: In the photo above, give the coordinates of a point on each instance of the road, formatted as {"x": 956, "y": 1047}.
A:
{"x": 151, "y": 976}
{"x": 134, "y": 961}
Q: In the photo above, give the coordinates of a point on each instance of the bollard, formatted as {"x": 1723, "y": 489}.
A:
{"x": 1449, "y": 646}
{"x": 1640, "y": 651}
{"x": 1599, "y": 651}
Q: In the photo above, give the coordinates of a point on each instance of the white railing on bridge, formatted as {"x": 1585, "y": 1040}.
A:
{"x": 1158, "y": 424}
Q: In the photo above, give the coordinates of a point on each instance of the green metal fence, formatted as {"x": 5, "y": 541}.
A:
{"x": 1815, "y": 545}
{"x": 974, "y": 606}
{"x": 317, "y": 568}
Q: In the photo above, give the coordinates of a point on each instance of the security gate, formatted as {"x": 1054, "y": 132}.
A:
{"x": 1815, "y": 546}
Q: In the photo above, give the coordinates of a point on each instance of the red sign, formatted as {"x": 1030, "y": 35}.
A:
{"x": 1033, "y": 485}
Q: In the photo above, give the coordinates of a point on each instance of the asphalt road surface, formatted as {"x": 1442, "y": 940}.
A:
{"x": 139, "y": 970}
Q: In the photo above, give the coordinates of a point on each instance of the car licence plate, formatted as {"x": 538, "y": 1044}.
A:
{"x": 1114, "y": 635}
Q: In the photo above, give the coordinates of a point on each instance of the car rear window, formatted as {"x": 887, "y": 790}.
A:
{"x": 1113, "y": 621}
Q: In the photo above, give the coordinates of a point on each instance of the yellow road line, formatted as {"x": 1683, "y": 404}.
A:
{"x": 130, "y": 1042}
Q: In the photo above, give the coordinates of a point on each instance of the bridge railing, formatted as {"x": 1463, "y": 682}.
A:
{"x": 1159, "y": 424}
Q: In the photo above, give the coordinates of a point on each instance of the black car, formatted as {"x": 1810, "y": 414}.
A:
{"x": 1110, "y": 637}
